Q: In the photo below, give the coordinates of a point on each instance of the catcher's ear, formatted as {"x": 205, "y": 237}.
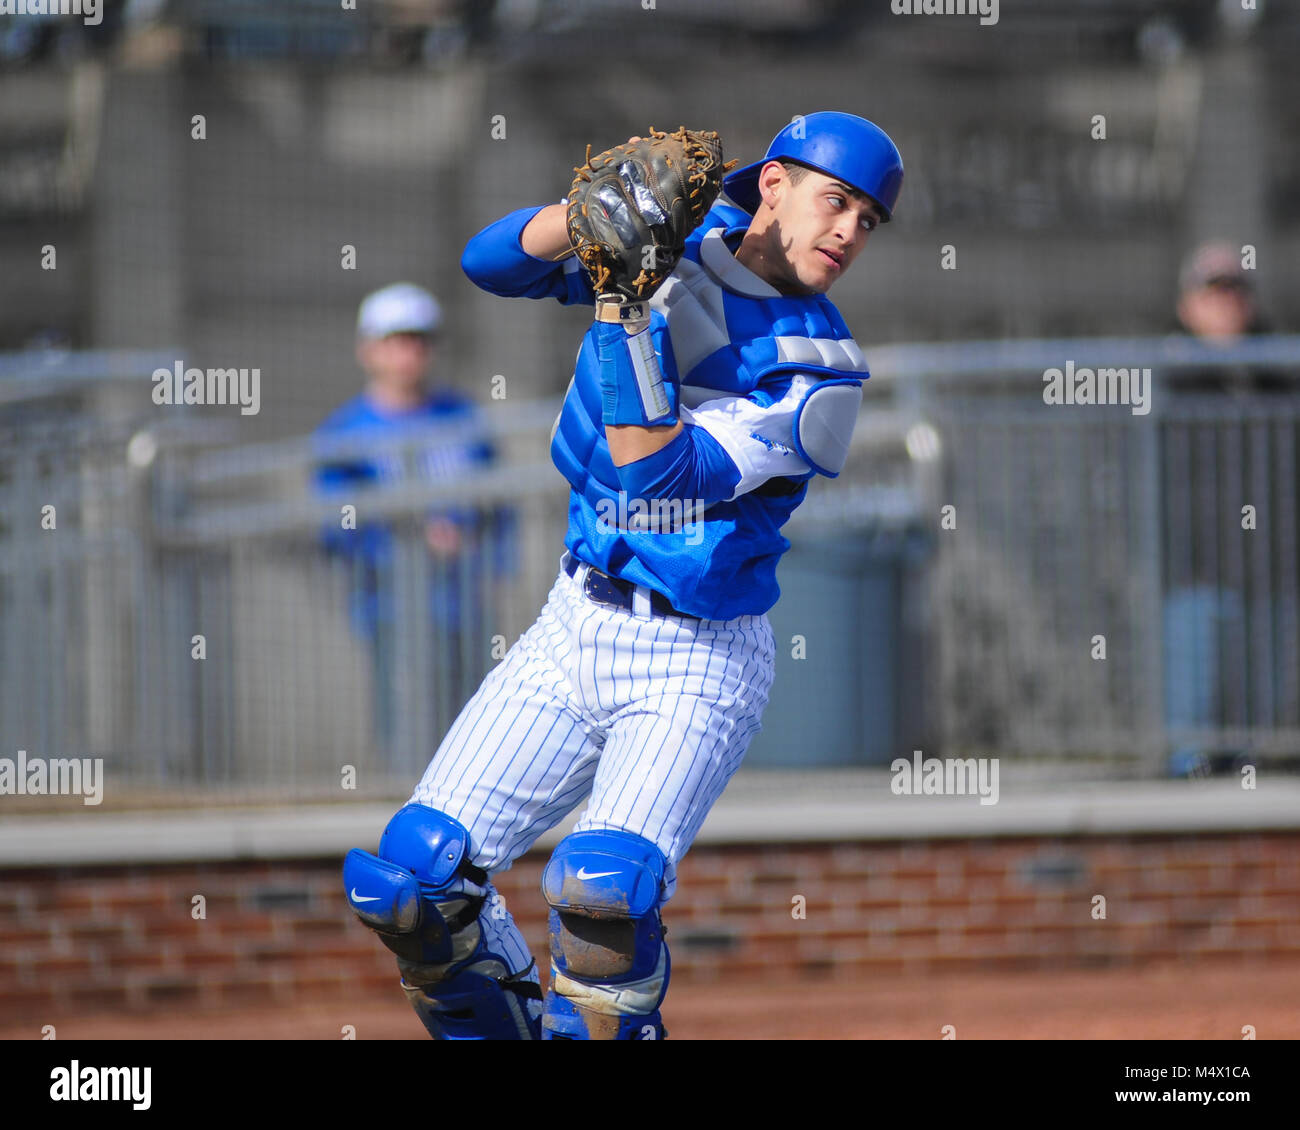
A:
{"x": 771, "y": 178}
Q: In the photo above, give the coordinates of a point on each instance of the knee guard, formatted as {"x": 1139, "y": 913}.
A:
{"x": 423, "y": 896}
{"x": 609, "y": 961}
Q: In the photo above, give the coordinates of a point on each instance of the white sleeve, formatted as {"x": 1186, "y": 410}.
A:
{"x": 763, "y": 440}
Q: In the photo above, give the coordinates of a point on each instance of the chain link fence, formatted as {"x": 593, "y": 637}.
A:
{"x": 1115, "y": 582}
{"x": 1078, "y": 583}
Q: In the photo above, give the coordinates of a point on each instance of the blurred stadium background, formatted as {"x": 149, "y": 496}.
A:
{"x": 401, "y": 128}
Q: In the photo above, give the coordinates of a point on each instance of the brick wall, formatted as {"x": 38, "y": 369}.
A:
{"x": 77, "y": 940}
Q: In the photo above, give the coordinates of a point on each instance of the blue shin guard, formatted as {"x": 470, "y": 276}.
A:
{"x": 423, "y": 897}
{"x": 609, "y": 961}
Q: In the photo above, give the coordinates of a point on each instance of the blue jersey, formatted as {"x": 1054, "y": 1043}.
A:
{"x": 700, "y": 521}
{"x": 441, "y": 457}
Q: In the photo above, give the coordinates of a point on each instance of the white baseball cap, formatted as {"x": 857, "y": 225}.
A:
{"x": 400, "y": 308}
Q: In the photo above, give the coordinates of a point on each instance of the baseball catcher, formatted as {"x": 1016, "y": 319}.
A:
{"x": 716, "y": 381}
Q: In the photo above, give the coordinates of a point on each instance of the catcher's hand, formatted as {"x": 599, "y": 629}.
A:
{"x": 632, "y": 207}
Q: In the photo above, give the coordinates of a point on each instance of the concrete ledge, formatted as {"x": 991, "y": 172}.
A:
{"x": 759, "y": 807}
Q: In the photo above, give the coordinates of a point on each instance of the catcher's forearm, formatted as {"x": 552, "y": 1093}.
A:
{"x": 628, "y": 443}
{"x": 546, "y": 235}
{"x": 691, "y": 466}
{"x": 634, "y": 428}
{"x": 632, "y": 386}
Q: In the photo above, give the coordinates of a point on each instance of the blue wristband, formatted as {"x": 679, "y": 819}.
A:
{"x": 633, "y": 390}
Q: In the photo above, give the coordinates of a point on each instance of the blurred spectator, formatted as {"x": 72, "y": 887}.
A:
{"x": 1217, "y": 304}
{"x": 417, "y": 433}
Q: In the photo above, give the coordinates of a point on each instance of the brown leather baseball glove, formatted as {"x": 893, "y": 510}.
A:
{"x": 632, "y": 207}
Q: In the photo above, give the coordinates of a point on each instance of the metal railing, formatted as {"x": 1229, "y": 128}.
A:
{"x": 199, "y": 618}
{"x": 1095, "y": 592}
{"x": 1103, "y": 593}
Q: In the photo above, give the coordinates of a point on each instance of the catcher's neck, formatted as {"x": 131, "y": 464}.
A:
{"x": 761, "y": 252}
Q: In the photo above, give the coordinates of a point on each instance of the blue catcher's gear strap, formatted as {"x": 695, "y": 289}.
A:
{"x": 479, "y": 1002}
{"x": 609, "y": 961}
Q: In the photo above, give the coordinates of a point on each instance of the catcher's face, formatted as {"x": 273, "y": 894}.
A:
{"x": 815, "y": 227}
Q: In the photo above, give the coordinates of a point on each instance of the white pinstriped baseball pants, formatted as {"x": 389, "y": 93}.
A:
{"x": 650, "y": 715}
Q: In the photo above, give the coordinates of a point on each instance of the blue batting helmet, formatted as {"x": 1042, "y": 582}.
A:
{"x": 843, "y": 146}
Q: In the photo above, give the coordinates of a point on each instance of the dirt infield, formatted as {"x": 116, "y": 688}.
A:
{"x": 1175, "y": 1002}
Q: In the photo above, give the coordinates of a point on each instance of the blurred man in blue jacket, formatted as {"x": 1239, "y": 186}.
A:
{"x": 359, "y": 448}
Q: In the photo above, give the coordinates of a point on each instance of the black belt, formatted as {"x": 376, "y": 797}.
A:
{"x": 604, "y": 589}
